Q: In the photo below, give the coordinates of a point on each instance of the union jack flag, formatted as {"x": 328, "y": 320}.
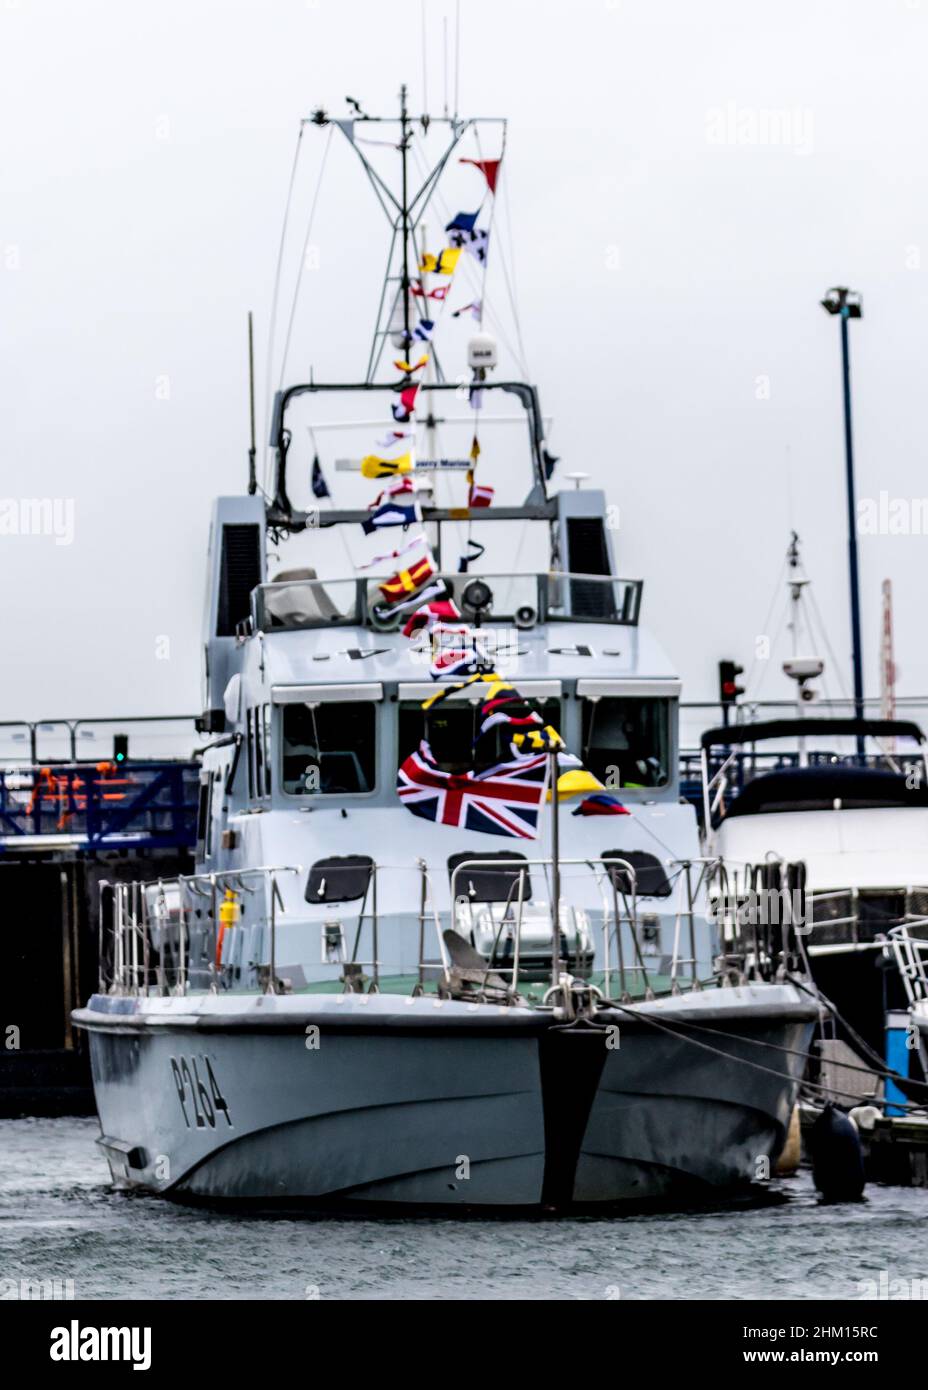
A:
{"x": 505, "y": 800}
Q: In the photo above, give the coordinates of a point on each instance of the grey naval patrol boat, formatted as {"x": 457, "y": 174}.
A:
{"x": 447, "y": 939}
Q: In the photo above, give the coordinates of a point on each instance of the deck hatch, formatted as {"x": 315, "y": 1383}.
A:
{"x": 489, "y": 883}
{"x": 651, "y": 880}
{"x": 340, "y": 879}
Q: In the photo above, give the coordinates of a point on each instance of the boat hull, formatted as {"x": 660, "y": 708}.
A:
{"x": 431, "y": 1103}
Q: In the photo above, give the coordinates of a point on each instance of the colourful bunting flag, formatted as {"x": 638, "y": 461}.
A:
{"x": 319, "y": 485}
{"x": 394, "y": 437}
{"x": 402, "y": 413}
{"x": 475, "y": 308}
{"x": 438, "y": 293}
{"x": 372, "y": 466}
{"x": 409, "y": 367}
{"x": 442, "y": 264}
{"x": 399, "y": 586}
{"x": 480, "y": 495}
{"x": 403, "y": 486}
{"x": 421, "y": 539}
{"x": 391, "y": 514}
{"x": 475, "y": 243}
{"x": 430, "y": 614}
{"x": 432, "y": 593}
{"x": 462, "y": 222}
{"x": 456, "y": 651}
{"x": 489, "y": 168}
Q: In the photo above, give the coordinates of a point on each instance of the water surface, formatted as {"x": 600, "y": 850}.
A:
{"x": 60, "y": 1221}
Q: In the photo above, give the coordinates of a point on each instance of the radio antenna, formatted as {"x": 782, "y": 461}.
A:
{"x": 252, "y": 452}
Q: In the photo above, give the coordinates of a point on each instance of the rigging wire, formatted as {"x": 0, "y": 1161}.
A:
{"x": 273, "y": 323}
{"x": 457, "y": 53}
{"x": 773, "y": 646}
{"x": 299, "y": 277}
{"x": 828, "y": 647}
{"x": 511, "y": 287}
{"x": 339, "y": 529}
{"x": 444, "y": 23}
{"x": 474, "y": 276}
{"x": 425, "y": 80}
{"x": 766, "y": 628}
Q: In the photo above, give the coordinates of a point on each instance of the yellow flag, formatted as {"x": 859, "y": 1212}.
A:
{"x": 408, "y": 367}
{"x": 574, "y": 782}
{"x": 375, "y": 467}
{"x": 443, "y": 263}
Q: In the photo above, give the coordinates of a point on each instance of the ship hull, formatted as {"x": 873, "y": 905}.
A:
{"x": 426, "y": 1103}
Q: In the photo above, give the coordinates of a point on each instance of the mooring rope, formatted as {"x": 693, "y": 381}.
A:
{"x": 729, "y": 1056}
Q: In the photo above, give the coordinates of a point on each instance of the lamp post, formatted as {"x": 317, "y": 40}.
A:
{"x": 846, "y": 304}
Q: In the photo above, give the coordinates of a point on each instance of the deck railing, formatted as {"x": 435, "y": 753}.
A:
{"x": 910, "y": 949}
{"x": 145, "y": 804}
{"x": 167, "y": 936}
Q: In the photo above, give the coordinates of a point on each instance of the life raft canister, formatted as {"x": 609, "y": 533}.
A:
{"x": 229, "y": 915}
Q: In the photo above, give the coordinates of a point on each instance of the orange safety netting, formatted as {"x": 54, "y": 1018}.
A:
{"x": 70, "y": 792}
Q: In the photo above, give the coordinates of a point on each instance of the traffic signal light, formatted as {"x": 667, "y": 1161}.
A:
{"x": 729, "y": 689}
{"x": 120, "y": 748}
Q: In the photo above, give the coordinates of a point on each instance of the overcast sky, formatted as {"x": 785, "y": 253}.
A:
{"x": 672, "y": 237}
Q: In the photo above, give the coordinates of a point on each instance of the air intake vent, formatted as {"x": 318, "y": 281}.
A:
{"x": 240, "y": 573}
{"x": 587, "y": 553}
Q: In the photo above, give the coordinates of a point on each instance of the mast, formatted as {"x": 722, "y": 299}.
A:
{"x": 887, "y": 663}
{"x": 846, "y": 304}
{"x": 404, "y": 215}
{"x": 404, "y": 208}
{"x": 800, "y": 667}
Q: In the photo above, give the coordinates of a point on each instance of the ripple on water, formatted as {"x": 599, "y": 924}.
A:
{"x": 60, "y": 1220}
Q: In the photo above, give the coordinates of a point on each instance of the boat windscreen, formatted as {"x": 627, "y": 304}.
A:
{"x": 329, "y": 749}
{"x": 820, "y": 788}
{"x": 626, "y": 742}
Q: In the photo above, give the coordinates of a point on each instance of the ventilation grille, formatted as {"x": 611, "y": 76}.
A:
{"x": 240, "y": 573}
{"x": 587, "y": 554}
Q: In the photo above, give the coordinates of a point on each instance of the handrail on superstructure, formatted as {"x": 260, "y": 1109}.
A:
{"x": 911, "y": 955}
{"x": 74, "y": 725}
{"x": 280, "y": 513}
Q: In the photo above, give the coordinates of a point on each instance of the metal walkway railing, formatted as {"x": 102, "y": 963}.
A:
{"x": 142, "y": 804}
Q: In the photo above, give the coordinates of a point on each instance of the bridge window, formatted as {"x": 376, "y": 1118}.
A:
{"x": 626, "y": 742}
{"x": 329, "y": 749}
{"x": 258, "y": 750}
{"x": 453, "y": 731}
